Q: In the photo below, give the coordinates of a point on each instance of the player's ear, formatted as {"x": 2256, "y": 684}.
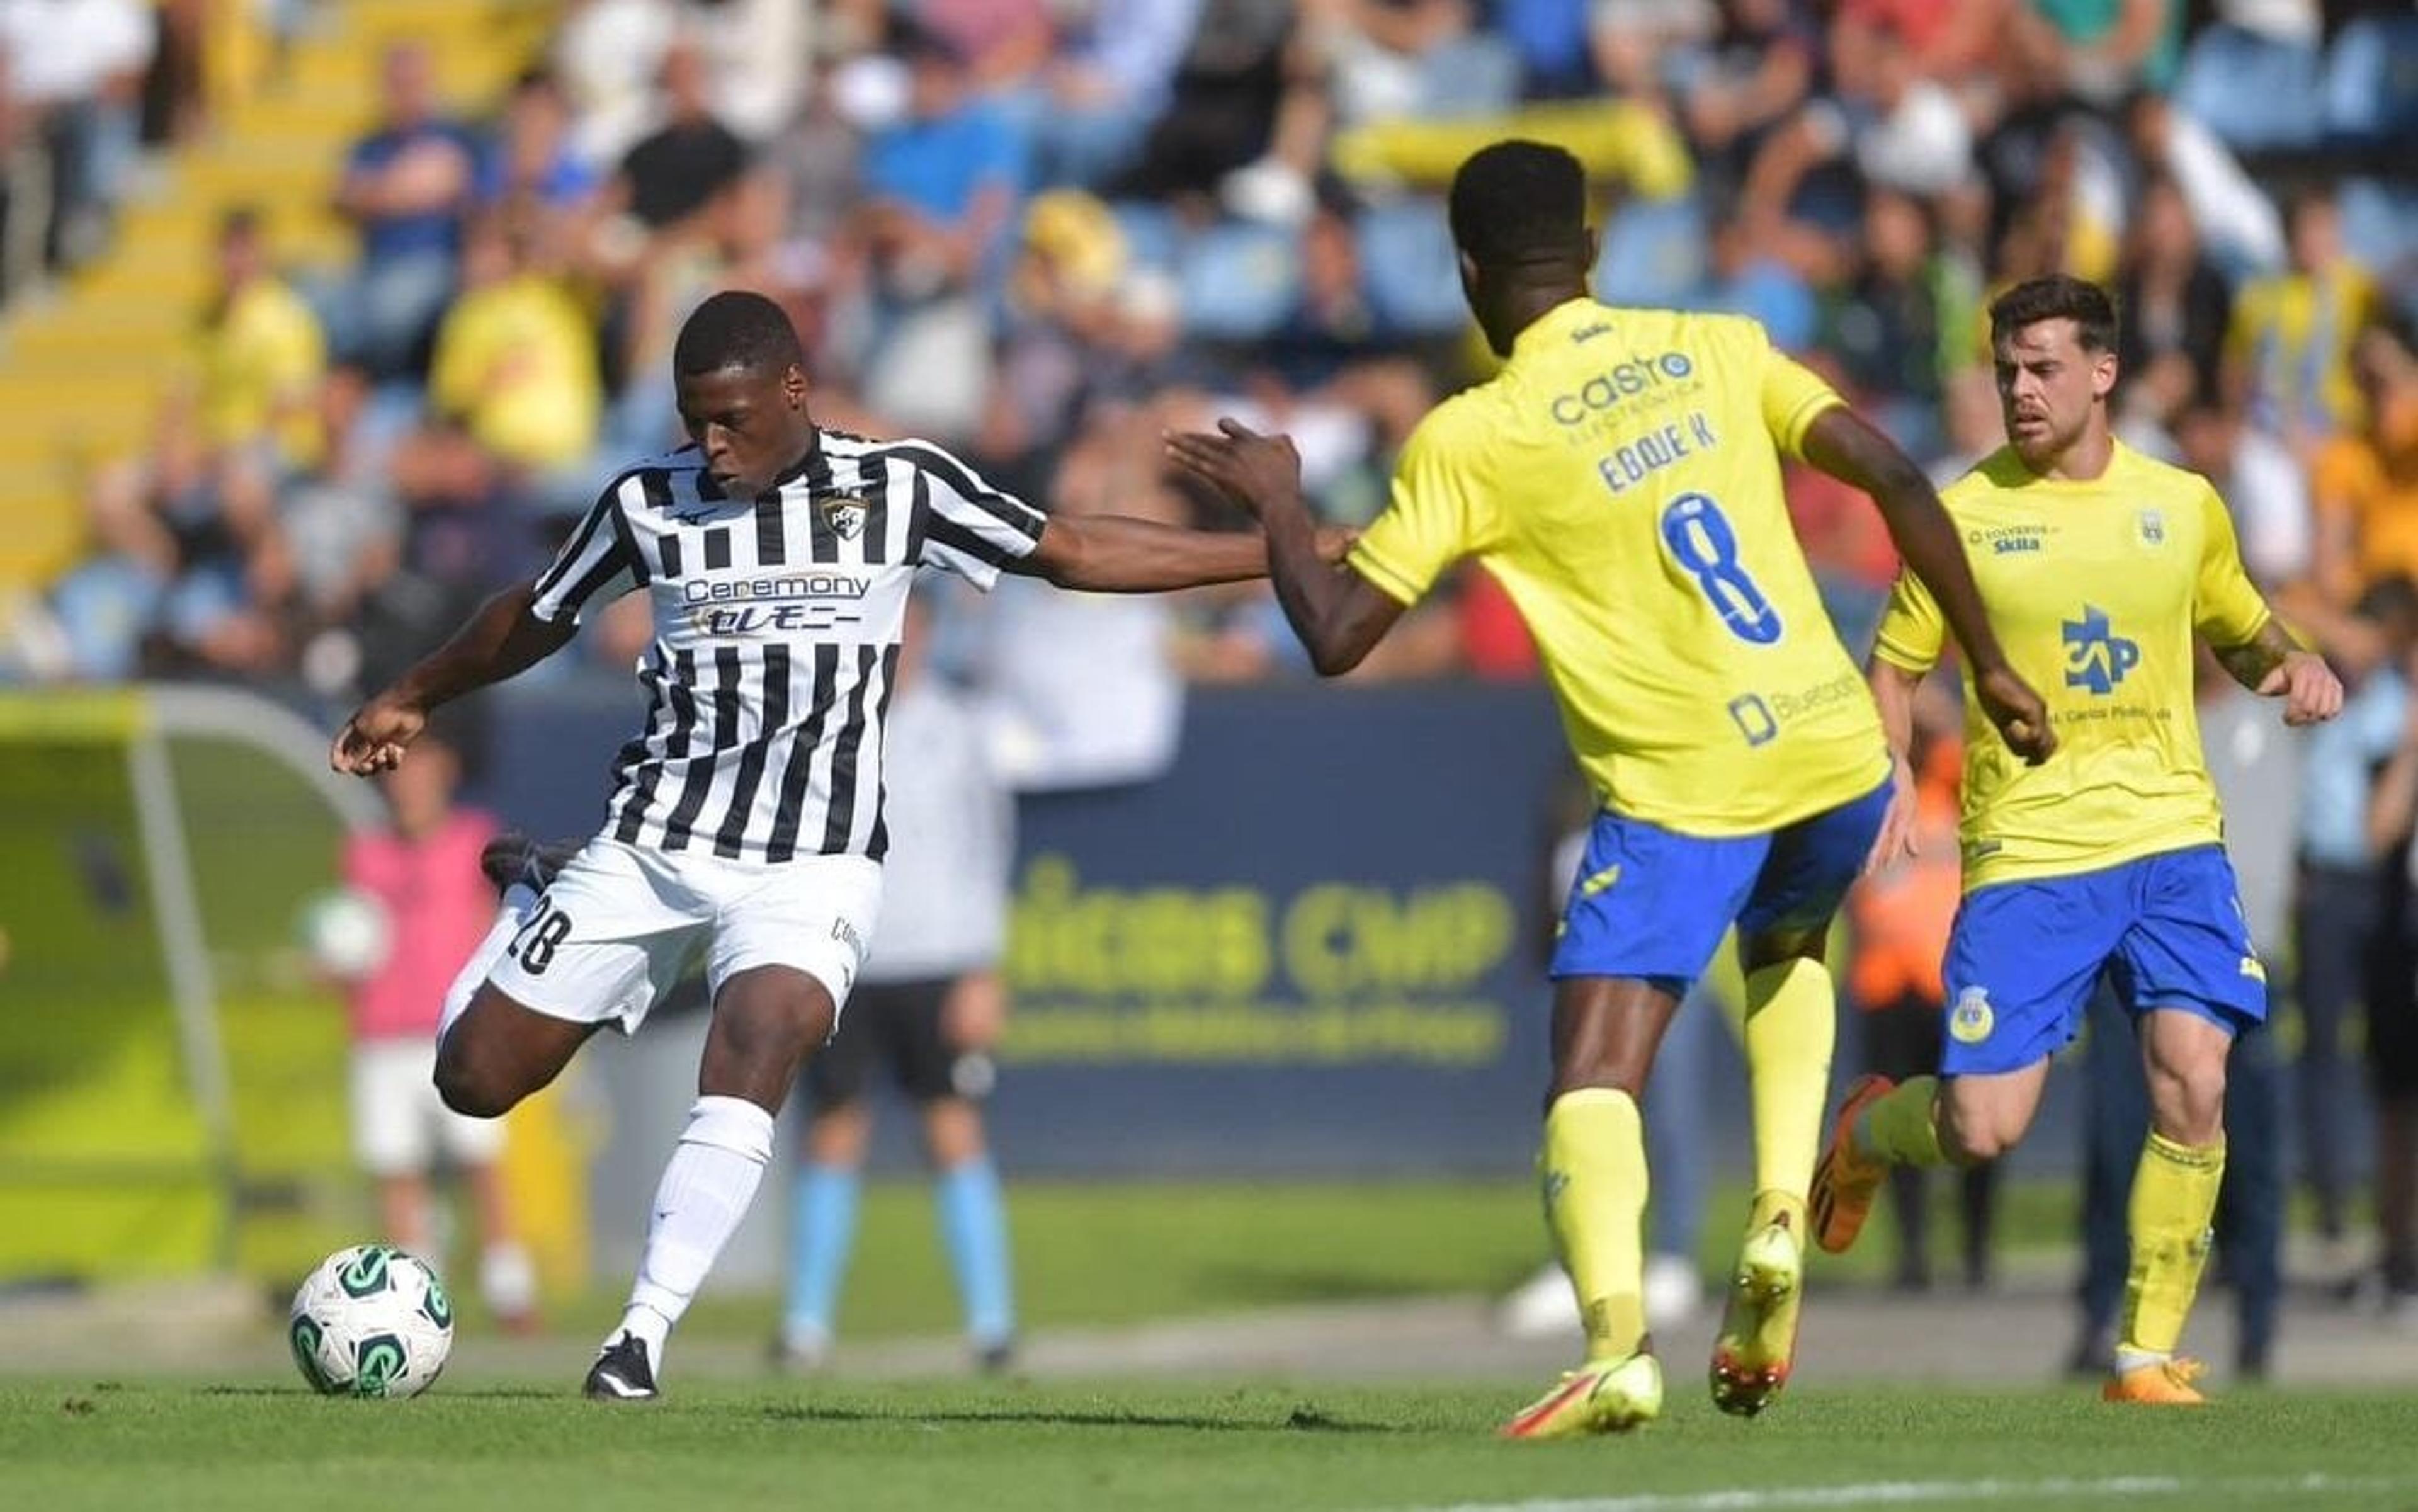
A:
{"x": 2103, "y": 375}
{"x": 1591, "y": 243}
{"x": 794, "y": 387}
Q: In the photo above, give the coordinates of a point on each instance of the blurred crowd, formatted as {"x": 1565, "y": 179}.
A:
{"x": 1041, "y": 232}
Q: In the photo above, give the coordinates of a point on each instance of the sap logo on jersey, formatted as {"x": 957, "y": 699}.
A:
{"x": 1604, "y": 392}
{"x": 2096, "y": 657}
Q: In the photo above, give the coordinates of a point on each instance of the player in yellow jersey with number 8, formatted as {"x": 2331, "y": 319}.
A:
{"x": 2098, "y": 565}
{"x": 1620, "y": 476}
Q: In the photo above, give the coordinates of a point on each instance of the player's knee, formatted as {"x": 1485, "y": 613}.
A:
{"x": 2187, "y": 1101}
{"x": 470, "y": 1086}
{"x": 775, "y": 1013}
{"x": 1972, "y": 1135}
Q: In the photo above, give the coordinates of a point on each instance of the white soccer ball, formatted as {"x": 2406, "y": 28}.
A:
{"x": 372, "y": 1320}
{"x": 346, "y": 932}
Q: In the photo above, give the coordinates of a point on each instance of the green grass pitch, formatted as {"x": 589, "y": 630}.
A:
{"x": 257, "y": 1443}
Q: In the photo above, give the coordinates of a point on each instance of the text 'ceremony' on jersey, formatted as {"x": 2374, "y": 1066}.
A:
{"x": 776, "y": 627}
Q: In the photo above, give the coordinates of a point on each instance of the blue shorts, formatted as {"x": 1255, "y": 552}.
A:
{"x": 2024, "y": 957}
{"x": 1653, "y": 904}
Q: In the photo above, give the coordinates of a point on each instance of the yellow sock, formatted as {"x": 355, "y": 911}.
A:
{"x": 1792, "y": 1017}
{"x": 1593, "y": 1167}
{"x": 1903, "y": 1128}
{"x": 2174, "y": 1197}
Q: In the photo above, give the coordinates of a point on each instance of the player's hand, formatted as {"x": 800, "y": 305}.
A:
{"x": 1897, "y": 838}
{"x": 2019, "y": 713}
{"x": 1258, "y": 472}
{"x": 974, "y": 1013}
{"x": 375, "y": 739}
{"x": 1335, "y": 544}
{"x": 2311, "y": 693}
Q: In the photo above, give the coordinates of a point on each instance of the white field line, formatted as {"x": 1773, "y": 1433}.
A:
{"x": 1918, "y": 1492}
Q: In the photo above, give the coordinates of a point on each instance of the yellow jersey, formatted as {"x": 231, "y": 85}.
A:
{"x": 2095, "y": 590}
{"x": 264, "y": 354}
{"x": 516, "y": 362}
{"x": 1620, "y": 478}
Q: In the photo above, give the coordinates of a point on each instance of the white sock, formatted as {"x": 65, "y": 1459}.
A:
{"x": 707, "y": 1186}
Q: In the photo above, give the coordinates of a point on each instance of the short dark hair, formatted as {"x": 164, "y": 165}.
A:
{"x": 1519, "y": 202}
{"x": 2056, "y": 297}
{"x": 736, "y": 329}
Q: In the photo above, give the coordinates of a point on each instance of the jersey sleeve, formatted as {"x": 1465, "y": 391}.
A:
{"x": 598, "y": 563}
{"x": 1912, "y": 628}
{"x": 2227, "y": 608}
{"x": 1436, "y": 516}
{"x": 967, "y": 527}
{"x": 1792, "y": 395}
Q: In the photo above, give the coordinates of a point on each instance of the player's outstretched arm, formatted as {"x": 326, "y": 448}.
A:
{"x": 1118, "y": 554}
{"x": 1338, "y": 614}
{"x": 2272, "y": 664}
{"x": 503, "y": 638}
{"x": 1841, "y": 444}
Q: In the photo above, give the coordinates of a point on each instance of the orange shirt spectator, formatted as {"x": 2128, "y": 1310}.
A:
{"x": 1901, "y": 916}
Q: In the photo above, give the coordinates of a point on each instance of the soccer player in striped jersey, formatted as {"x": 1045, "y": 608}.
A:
{"x": 745, "y": 822}
{"x": 1621, "y": 479}
{"x": 2099, "y": 565}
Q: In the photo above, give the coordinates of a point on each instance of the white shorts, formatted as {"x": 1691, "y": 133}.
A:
{"x": 620, "y": 924}
{"x": 399, "y": 1123}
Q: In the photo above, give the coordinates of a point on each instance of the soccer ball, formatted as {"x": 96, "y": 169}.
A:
{"x": 346, "y": 932}
{"x": 371, "y": 1321}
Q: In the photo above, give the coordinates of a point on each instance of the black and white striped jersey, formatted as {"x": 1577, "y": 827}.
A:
{"x": 777, "y": 622}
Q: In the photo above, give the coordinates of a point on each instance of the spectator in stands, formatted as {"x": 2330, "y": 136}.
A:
{"x": 515, "y": 366}
{"x": 2107, "y": 48}
{"x": 405, "y": 188}
{"x": 674, "y": 171}
{"x": 2176, "y": 304}
{"x": 75, "y": 68}
{"x": 609, "y": 55}
{"x": 532, "y": 167}
{"x": 2239, "y": 224}
{"x": 2288, "y": 348}
{"x": 1091, "y": 107}
{"x": 1244, "y": 94}
{"x": 262, "y": 357}
{"x": 2366, "y": 481}
{"x": 1886, "y": 325}
{"x": 941, "y": 186}
{"x": 97, "y": 620}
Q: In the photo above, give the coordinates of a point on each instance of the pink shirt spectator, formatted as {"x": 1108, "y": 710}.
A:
{"x": 439, "y": 905}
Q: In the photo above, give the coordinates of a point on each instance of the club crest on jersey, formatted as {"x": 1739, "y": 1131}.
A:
{"x": 2152, "y": 527}
{"x": 844, "y": 513}
{"x": 1970, "y": 1021}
